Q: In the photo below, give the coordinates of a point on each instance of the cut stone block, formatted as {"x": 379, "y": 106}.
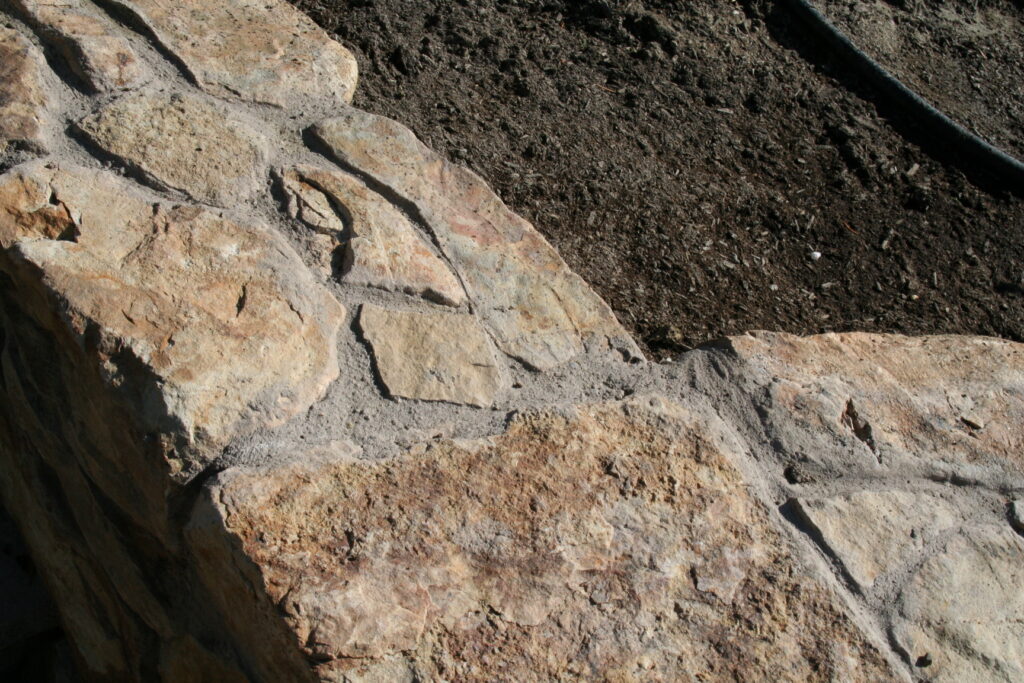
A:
{"x": 207, "y": 326}
{"x": 432, "y": 356}
{"x": 102, "y": 59}
{"x": 872, "y": 532}
{"x": 960, "y": 615}
{"x": 610, "y": 542}
{"x": 262, "y": 51}
{"x": 184, "y": 143}
{"x": 942, "y": 405}
{"x": 24, "y": 113}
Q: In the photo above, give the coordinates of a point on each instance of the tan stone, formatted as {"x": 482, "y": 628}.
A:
{"x": 609, "y": 542}
{"x": 872, "y": 532}
{"x": 211, "y": 325}
{"x": 24, "y": 113}
{"x": 537, "y": 310}
{"x": 184, "y": 143}
{"x": 941, "y": 404}
{"x": 960, "y": 615}
{"x": 432, "y": 356}
{"x": 102, "y": 59}
{"x": 263, "y": 51}
{"x": 383, "y": 248}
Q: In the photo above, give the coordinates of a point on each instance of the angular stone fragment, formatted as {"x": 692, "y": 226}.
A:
{"x": 538, "y": 310}
{"x": 383, "y": 248}
{"x": 432, "y": 356}
{"x": 206, "y": 324}
{"x": 872, "y": 532}
{"x": 23, "y": 100}
{"x": 960, "y": 615}
{"x": 184, "y": 143}
{"x": 940, "y": 405}
{"x": 102, "y": 59}
{"x": 257, "y": 50}
{"x": 609, "y": 542}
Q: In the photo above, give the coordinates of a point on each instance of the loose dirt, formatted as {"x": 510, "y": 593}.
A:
{"x": 691, "y": 160}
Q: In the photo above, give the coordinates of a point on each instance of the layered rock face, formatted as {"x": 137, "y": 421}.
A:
{"x": 284, "y": 395}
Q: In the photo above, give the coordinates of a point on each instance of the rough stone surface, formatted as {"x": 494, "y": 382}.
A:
{"x": 960, "y": 615}
{"x": 205, "y": 502}
{"x": 102, "y": 59}
{"x": 208, "y": 324}
{"x": 182, "y": 142}
{"x": 263, "y": 51}
{"x": 538, "y": 310}
{"x": 872, "y": 532}
{"x": 382, "y": 247}
{"x": 940, "y": 404}
{"x": 613, "y": 542}
{"x": 24, "y": 115}
{"x": 432, "y": 356}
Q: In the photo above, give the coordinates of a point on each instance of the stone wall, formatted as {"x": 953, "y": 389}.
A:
{"x": 284, "y": 395}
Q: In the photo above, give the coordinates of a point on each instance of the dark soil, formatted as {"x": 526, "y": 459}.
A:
{"x": 690, "y": 158}
{"x": 965, "y": 57}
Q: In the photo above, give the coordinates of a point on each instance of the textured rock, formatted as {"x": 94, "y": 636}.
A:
{"x": 382, "y": 247}
{"x": 207, "y": 325}
{"x": 945, "y": 405}
{"x": 102, "y": 59}
{"x": 538, "y": 310}
{"x": 960, "y": 615}
{"x": 615, "y": 543}
{"x": 432, "y": 356}
{"x": 872, "y": 532}
{"x": 182, "y": 142}
{"x": 263, "y": 51}
{"x": 24, "y": 114}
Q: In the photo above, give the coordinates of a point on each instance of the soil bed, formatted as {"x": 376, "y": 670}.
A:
{"x": 692, "y": 159}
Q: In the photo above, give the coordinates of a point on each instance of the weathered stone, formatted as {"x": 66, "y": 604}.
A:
{"x": 943, "y": 405}
{"x": 208, "y": 325}
{"x": 612, "y": 542}
{"x": 24, "y": 114}
{"x": 538, "y": 310}
{"x": 184, "y": 143}
{"x": 873, "y": 532}
{"x": 1017, "y": 515}
{"x": 383, "y": 248}
{"x": 432, "y": 356}
{"x": 263, "y": 51}
{"x": 102, "y": 59}
{"x": 960, "y": 615}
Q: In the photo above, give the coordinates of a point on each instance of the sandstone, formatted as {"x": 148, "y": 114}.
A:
{"x": 102, "y": 59}
{"x": 567, "y": 544}
{"x": 24, "y": 113}
{"x": 873, "y": 532}
{"x": 382, "y": 247}
{"x": 941, "y": 405}
{"x": 537, "y": 310}
{"x": 265, "y": 51}
{"x": 182, "y": 142}
{"x": 432, "y": 356}
{"x": 960, "y": 615}
{"x": 204, "y": 324}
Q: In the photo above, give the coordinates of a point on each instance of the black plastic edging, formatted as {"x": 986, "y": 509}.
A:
{"x": 1006, "y": 168}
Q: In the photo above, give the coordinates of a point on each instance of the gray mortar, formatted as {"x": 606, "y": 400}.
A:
{"x": 710, "y": 381}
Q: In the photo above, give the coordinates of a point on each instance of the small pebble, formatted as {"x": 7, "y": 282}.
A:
{"x": 815, "y": 255}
